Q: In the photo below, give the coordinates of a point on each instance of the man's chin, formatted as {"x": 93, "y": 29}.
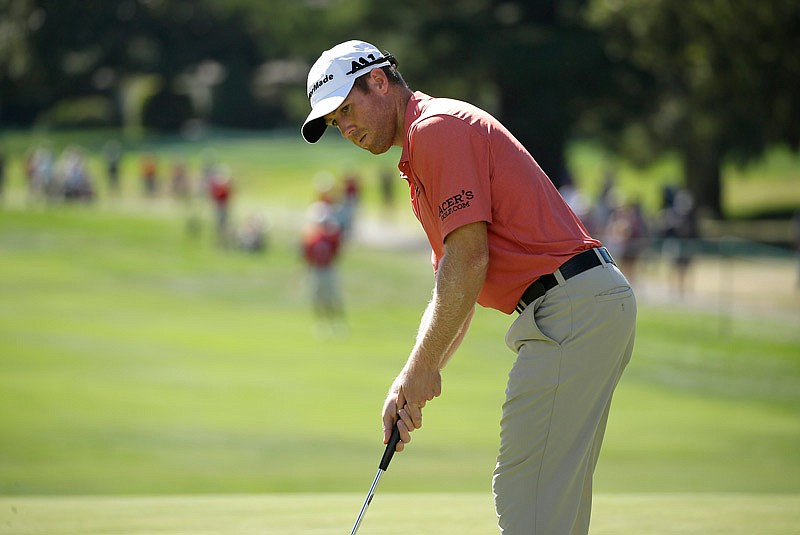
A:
{"x": 377, "y": 150}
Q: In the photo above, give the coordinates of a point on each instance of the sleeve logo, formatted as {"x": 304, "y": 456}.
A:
{"x": 455, "y": 203}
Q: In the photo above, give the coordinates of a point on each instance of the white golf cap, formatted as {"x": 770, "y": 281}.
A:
{"x": 331, "y": 78}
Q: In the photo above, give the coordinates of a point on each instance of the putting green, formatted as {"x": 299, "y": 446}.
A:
{"x": 421, "y": 514}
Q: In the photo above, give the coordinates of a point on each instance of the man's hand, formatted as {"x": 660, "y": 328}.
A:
{"x": 412, "y": 389}
{"x": 418, "y": 385}
{"x": 390, "y": 416}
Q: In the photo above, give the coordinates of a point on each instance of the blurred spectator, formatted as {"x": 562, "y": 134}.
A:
{"x": 209, "y": 169}
{"x": 796, "y": 241}
{"x": 40, "y": 168}
{"x": 626, "y": 235}
{"x": 180, "y": 184}
{"x": 387, "y": 181}
{"x": 2, "y": 173}
{"x": 578, "y": 202}
{"x": 253, "y": 234}
{"x": 113, "y": 157}
{"x": 326, "y": 196}
{"x": 29, "y": 168}
{"x": 220, "y": 189}
{"x": 350, "y": 201}
{"x": 321, "y": 246}
{"x": 149, "y": 169}
{"x": 678, "y": 220}
{"x": 607, "y": 203}
{"x": 72, "y": 177}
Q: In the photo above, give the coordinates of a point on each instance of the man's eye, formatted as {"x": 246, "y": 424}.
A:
{"x": 346, "y": 109}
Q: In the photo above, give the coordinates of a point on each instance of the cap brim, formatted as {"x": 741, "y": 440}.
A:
{"x": 314, "y": 126}
{"x": 313, "y": 129}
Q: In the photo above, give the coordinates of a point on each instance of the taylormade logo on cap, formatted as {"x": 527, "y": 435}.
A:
{"x": 328, "y": 78}
{"x": 331, "y": 79}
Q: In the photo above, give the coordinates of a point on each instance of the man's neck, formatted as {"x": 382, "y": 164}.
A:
{"x": 404, "y": 96}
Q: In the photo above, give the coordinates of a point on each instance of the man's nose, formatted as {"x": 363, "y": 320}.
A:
{"x": 347, "y": 129}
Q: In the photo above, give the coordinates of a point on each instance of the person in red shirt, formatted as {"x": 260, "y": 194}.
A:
{"x": 321, "y": 247}
{"x": 503, "y": 237}
{"x": 220, "y": 189}
{"x": 149, "y": 171}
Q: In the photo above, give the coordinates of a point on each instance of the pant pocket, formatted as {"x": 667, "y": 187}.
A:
{"x": 620, "y": 292}
{"x": 525, "y": 330}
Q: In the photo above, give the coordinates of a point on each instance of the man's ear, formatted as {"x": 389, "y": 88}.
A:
{"x": 379, "y": 81}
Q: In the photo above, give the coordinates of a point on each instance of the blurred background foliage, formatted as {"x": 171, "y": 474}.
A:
{"x": 713, "y": 81}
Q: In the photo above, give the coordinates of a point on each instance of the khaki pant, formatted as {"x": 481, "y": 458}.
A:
{"x": 572, "y": 345}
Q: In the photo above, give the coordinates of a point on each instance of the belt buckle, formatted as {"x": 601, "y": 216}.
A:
{"x": 605, "y": 255}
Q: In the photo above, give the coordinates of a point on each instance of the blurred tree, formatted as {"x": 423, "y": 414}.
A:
{"x": 533, "y": 64}
{"x": 290, "y": 36}
{"x": 709, "y": 79}
{"x": 66, "y": 49}
{"x": 550, "y": 70}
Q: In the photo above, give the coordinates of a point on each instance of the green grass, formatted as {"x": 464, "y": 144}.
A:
{"x": 152, "y": 382}
{"x": 389, "y": 514}
{"x": 137, "y": 360}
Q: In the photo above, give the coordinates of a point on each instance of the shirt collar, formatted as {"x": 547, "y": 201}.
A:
{"x": 416, "y": 105}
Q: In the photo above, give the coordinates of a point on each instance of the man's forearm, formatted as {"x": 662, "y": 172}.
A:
{"x": 459, "y": 279}
{"x": 443, "y": 326}
{"x": 456, "y": 342}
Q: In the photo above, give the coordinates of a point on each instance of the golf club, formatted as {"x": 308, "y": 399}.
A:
{"x": 382, "y": 467}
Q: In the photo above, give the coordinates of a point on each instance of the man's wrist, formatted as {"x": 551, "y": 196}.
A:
{"x": 421, "y": 363}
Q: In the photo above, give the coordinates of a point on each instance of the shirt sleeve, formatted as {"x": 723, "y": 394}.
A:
{"x": 452, "y": 159}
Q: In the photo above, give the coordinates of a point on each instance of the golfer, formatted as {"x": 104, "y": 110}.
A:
{"x": 502, "y": 237}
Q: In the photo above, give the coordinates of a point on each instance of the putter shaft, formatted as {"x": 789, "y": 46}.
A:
{"x": 382, "y": 467}
{"x": 368, "y": 501}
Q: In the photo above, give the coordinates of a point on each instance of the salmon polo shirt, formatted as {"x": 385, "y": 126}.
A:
{"x": 462, "y": 167}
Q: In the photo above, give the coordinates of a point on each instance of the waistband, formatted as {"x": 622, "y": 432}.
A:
{"x": 574, "y": 266}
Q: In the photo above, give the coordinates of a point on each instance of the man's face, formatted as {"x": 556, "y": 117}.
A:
{"x": 366, "y": 119}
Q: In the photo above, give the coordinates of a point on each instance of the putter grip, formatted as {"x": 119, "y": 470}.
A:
{"x": 390, "y": 447}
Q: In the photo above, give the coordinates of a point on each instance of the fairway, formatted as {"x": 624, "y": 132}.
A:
{"x": 152, "y": 382}
{"x": 390, "y": 514}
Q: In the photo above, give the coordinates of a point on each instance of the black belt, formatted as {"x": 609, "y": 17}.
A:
{"x": 574, "y": 266}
